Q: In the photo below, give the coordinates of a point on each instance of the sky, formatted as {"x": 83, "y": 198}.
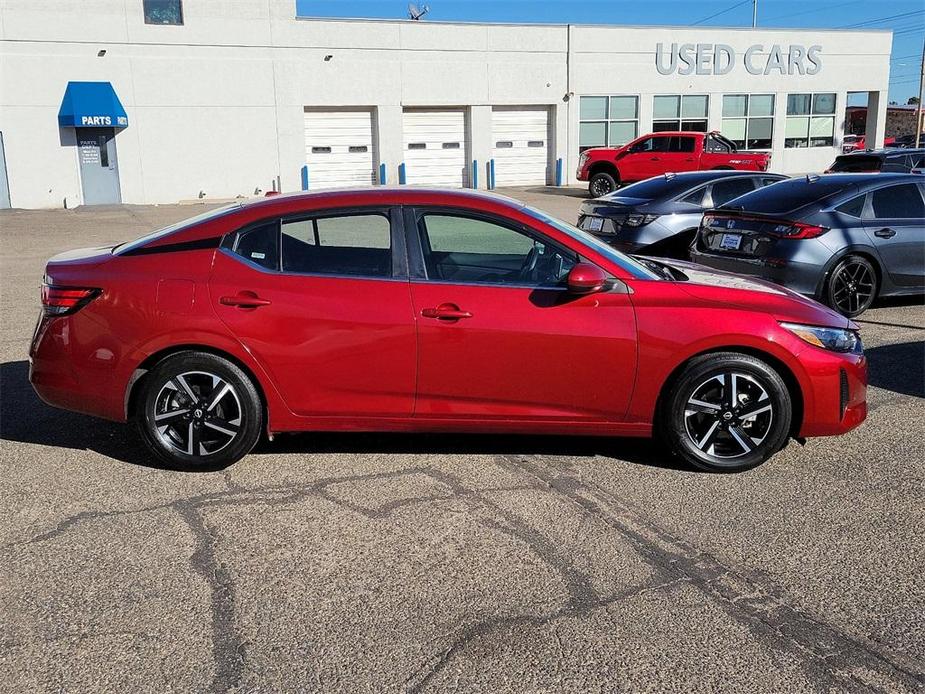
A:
{"x": 905, "y": 17}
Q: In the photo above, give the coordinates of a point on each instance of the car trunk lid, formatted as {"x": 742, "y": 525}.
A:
{"x": 743, "y": 234}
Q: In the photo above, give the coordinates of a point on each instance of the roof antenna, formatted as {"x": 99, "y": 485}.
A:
{"x": 415, "y": 11}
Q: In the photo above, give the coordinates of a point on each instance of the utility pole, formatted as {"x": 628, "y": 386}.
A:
{"x": 918, "y": 109}
{"x": 754, "y": 14}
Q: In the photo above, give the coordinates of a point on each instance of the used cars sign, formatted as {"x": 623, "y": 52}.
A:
{"x": 720, "y": 59}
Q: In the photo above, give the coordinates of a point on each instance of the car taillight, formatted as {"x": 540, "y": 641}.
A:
{"x": 61, "y": 301}
{"x": 798, "y": 230}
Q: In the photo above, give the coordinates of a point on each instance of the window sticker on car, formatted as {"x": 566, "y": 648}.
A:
{"x": 730, "y": 242}
{"x": 259, "y": 256}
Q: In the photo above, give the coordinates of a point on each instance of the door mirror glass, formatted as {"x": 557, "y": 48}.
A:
{"x": 586, "y": 278}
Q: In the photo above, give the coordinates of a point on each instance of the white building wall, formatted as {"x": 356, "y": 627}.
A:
{"x": 216, "y": 106}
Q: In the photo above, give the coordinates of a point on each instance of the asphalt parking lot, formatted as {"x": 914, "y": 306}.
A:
{"x": 374, "y": 563}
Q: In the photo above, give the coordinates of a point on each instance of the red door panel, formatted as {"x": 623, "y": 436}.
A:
{"x": 333, "y": 345}
{"x": 523, "y": 353}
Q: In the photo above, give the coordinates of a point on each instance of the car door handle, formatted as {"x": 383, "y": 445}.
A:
{"x": 445, "y": 312}
{"x": 654, "y": 159}
{"x": 244, "y": 300}
{"x": 885, "y": 233}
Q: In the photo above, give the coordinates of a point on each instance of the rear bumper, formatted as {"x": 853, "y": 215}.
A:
{"x": 62, "y": 378}
{"x": 801, "y": 277}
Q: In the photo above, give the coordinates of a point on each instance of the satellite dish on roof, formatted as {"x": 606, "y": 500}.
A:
{"x": 416, "y": 11}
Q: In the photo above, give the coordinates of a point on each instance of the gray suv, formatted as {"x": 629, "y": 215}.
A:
{"x": 844, "y": 239}
{"x": 660, "y": 216}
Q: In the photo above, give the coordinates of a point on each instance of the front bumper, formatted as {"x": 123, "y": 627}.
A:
{"x": 839, "y": 392}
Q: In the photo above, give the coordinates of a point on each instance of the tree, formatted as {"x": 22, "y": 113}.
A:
{"x": 913, "y": 101}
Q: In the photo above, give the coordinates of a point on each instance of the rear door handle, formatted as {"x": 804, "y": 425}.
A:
{"x": 447, "y": 312}
{"x": 885, "y": 233}
{"x": 244, "y": 300}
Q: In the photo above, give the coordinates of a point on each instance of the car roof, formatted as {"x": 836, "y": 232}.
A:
{"x": 386, "y": 195}
{"x": 860, "y": 178}
{"x": 884, "y": 152}
{"x": 697, "y": 177}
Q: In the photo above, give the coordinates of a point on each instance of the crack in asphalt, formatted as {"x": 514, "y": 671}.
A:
{"x": 834, "y": 654}
{"x": 831, "y": 657}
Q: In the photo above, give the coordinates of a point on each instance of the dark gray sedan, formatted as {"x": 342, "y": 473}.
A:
{"x": 660, "y": 216}
{"x": 844, "y": 239}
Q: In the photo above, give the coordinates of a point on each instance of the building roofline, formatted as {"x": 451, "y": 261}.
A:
{"x": 446, "y": 22}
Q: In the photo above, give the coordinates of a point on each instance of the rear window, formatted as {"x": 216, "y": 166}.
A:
{"x": 787, "y": 196}
{"x": 658, "y": 187}
{"x": 856, "y": 164}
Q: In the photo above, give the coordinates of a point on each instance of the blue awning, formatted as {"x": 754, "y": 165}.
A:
{"x": 91, "y": 105}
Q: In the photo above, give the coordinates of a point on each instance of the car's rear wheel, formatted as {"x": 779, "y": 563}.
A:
{"x": 727, "y": 412}
{"x": 601, "y": 184}
{"x": 199, "y": 411}
{"x": 852, "y": 286}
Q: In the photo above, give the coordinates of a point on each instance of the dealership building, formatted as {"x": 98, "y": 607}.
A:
{"x": 160, "y": 101}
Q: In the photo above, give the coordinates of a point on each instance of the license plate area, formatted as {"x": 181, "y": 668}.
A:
{"x": 592, "y": 223}
{"x": 730, "y": 242}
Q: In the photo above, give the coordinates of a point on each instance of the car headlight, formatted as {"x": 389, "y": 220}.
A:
{"x": 832, "y": 339}
{"x": 638, "y": 220}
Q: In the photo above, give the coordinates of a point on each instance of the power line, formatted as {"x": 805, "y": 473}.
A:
{"x": 728, "y": 9}
{"x": 881, "y": 19}
{"x": 815, "y": 9}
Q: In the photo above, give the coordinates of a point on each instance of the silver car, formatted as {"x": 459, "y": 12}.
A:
{"x": 660, "y": 216}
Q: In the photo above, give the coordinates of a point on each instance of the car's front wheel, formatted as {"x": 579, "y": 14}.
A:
{"x": 727, "y": 412}
{"x": 199, "y": 411}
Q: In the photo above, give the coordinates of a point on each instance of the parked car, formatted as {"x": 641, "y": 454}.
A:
{"x": 893, "y": 160}
{"x": 660, "y": 216}
{"x": 431, "y": 310}
{"x": 844, "y": 239}
{"x": 853, "y": 143}
{"x": 606, "y": 168}
{"x": 905, "y": 141}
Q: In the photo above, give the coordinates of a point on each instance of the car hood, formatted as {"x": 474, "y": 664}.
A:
{"x": 727, "y": 289}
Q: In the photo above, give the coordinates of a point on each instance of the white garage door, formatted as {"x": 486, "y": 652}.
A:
{"x": 520, "y": 145}
{"x": 435, "y": 147}
{"x": 339, "y": 149}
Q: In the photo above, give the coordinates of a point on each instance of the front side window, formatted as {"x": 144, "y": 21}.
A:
{"x": 651, "y": 144}
{"x": 607, "y": 121}
{"x": 810, "y": 120}
{"x": 163, "y": 11}
{"x": 898, "y": 202}
{"x": 674, "y": 112}
{"x": 356, "y": 245}
{"x": 748, "y": 120}
{"x": 470, "y": 250}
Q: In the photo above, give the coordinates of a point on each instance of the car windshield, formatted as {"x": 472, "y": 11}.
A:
{"x": 631, "y": 265}
{"x": 789, "y": 195}
{"x": 177, "y": 226}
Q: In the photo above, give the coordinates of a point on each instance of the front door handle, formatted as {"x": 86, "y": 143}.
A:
{"x": 244, "y": 300}
{"x": 885, "y": 233}
{"x": 447, "y": 312}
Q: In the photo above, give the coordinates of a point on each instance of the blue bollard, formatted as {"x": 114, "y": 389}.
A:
{"x": 305, "y": 177}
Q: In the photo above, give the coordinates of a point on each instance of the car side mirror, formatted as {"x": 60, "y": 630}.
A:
{"x": 586, "y": 278}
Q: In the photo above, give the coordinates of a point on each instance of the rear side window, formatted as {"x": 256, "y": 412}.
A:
{"x": 898, "y": 202}
{"x": 856, "y": 164}
{"x": 681, "y": 144}
{"x": 260, "y": 245}
{"x": 724, "y": 191}
{"x": 695, "y": 198}
{"x": 854, "y": 207}
{"x": 358, "y": 245}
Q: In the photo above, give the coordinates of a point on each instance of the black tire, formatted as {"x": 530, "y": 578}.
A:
{"x": 851, "y": 286}
{"x": 601, "y": 184}
{"x": 198, "y": 411}
{"x": 719, "y": 438}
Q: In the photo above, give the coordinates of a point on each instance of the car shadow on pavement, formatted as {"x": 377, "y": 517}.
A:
{"x": 26, "y": 419}
{"x": 898, "y": 367}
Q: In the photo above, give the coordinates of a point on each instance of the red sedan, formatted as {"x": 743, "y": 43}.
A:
{"x": 424, "y": 310}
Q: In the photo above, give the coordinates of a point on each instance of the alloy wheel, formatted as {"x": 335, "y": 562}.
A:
{"x": 197, "y": 413}
{"x": 852, "y": 288}
{"x": 728, "y": 415}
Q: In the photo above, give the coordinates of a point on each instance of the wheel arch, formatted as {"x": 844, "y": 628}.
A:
{"x": 866, "y": 252}
{"x": 782, "y": 369}
{"x": 136, "y": 383}
{"x": 607, "y": 167}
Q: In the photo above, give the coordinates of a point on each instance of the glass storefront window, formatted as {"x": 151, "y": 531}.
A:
{"x": 607, "y": 121}
{"x": 748, "y": 120}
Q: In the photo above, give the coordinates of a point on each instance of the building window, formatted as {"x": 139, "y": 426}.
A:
{"x": 748, "y": 120}
{"x": 607, "y": 121}
{"x": 810, "y": 120}
{"x": 163, "y": 11}
{"x": 676, "y": 112}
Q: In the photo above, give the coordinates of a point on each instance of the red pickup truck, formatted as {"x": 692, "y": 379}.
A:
{"x": 607, "y": 168}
